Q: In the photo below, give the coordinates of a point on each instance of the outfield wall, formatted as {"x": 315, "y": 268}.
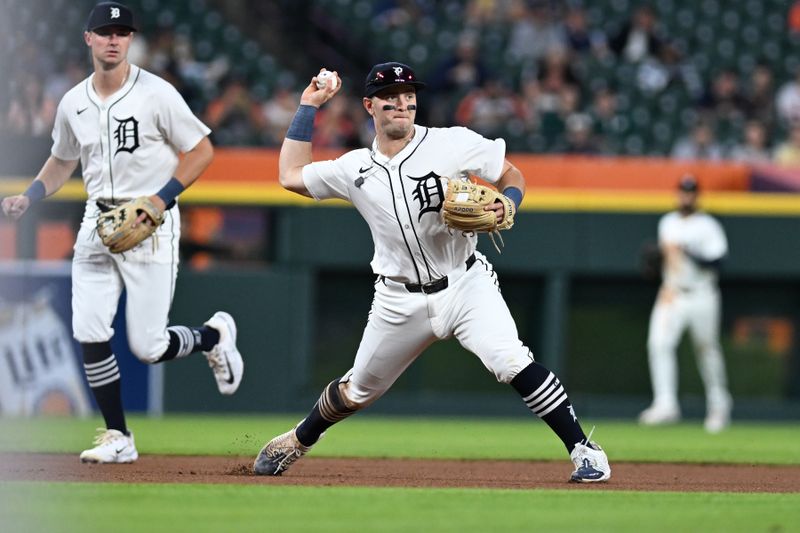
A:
{"x": 571, "y": 280}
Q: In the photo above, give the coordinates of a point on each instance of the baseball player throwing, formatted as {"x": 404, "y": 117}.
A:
{"x": 126, "y": 127}
{"x": 431, "y": 282}
{"x": 693, "y": 244}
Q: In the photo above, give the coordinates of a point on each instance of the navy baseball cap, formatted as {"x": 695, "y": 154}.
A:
{"x": 385, "y": 75}
{"x": 688, "y": 183}
{"x": 110, "y": 14}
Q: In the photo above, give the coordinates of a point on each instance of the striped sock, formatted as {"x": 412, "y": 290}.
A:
{"x": 329, "y": 409}
{"x": 544, "y": 395}
{"x": 103, "y": 376}
{"x": 184, "y": 340}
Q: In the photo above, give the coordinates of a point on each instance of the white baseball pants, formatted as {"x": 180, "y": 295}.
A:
{"x": 402, "y": 324}
{"x": 147, "y": 272}
{"x": 699, "y": 311}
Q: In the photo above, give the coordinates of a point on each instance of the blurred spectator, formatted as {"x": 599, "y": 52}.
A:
{"x": 463, "y": 70}
{"x": 489, "y": 109}
{"x": 787, "y": 103}
{"x": 759, "y": 95}
{"x": 555, "y": 71}
{"x": 638, "y": 38}
{"x": 793, "y": 17}
{"x": 335, "y": 126}
{"x": 579, "y": 37}
{"x": 656, "y": 73}
{"x": 580, "y": 140}
{"x": 754, "y": 148}
{"x": 554, "y": 76}
{"x": 608, "y": 124}
{"x": 552, "y": 123}
{"x": 481, "y": 13}
{"x": 233, "y": 116}
{"x": 29, "y": 112}
{"x": 389, "y": 14}
{"x": 723, "y": 97}
{"x": 788, "y": 152}
{"x": 61, "y": 81}
{"x": 278, "y": 113}
{"x": 533, "y": 32}
{"x": 700, "y": 144}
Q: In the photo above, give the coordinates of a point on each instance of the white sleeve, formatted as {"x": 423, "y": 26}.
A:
{"x": 327, "y": 179}
{"x": 65, "y": 144}
{"x": 715, "y": 244}
{"x": 664, "y": 235}
{"x": 479, "y": 156}
{"x": 176, "y": 121}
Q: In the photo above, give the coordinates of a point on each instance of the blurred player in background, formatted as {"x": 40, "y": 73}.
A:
{"x": 692, "y": 244}
{"x": 126, "y": 127}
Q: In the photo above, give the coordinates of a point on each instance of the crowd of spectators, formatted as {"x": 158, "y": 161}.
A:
{"x": 550, "y": 101}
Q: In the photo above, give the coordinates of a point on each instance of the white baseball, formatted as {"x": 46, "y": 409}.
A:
{"x": 323, "y": 77}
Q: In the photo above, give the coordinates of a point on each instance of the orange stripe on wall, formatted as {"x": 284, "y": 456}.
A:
{"x": 566, "y": 172}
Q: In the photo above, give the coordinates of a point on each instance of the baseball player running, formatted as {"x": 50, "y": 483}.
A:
{"x": 431, "y": 282}
{"x": 693, "y": 244}
{"x": 126, "y": 126}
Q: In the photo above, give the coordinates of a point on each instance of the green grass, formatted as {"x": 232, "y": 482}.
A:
{"x": 371, "y": 436}
{"x": 57, "y": 507}
{"x": 81, "y": 507}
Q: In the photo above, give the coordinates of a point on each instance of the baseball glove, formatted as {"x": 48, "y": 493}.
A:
{"x": 464, "y": 204}
{"x": 650, "y": 261}
{"x": 115, "y": 226}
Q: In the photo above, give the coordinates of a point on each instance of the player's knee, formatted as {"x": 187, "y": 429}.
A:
{"x": 147, "y": 351}
{"x": 506, "y": 368}
{"x": 356, "y": 398}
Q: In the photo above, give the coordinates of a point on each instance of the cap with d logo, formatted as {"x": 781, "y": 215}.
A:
{"x": 110, "y": 14}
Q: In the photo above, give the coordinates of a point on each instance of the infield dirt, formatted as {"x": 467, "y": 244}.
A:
{"x": 403, "y": 473}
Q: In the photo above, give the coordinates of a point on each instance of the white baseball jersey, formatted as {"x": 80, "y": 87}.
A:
{"x": 401, "y": 198}
{"x": 702, "y": 236}
{"x": 128, "y": 144}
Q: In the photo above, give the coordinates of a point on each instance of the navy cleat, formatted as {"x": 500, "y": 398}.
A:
{"x": 591, "y": 464}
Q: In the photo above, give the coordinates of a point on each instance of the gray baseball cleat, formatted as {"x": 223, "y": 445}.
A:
{"x": 278, "y": 454}
{"x": 224, "y": 358}
{"x": 591, "y": 463}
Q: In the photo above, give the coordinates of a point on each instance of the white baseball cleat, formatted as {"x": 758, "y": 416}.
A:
{"x": 591, "y": 464}
{"x": 111, "y": 446}
{"x": 656, "y": 415}
{"x": 224, "y": 358}
{"x": 717, "y": 420}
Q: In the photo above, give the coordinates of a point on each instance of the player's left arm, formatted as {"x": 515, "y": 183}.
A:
{"x": 192, "y": 164}
{"x": 713, "y": 247}
{"x": 511, "y": 184}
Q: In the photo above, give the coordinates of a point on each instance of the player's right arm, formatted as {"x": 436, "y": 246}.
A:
{"x": 296, "y": 147}
{"x": 51, "y": 178}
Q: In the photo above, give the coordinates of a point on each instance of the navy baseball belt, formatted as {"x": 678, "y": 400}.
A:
{"x": 437, "y": 284}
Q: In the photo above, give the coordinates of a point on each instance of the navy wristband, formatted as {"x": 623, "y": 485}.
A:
{"x": 302, "y": 126}
{"x": 170, "y": 191}
{"x": 35, "y": 191}
{"x": 514, "y": 194}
